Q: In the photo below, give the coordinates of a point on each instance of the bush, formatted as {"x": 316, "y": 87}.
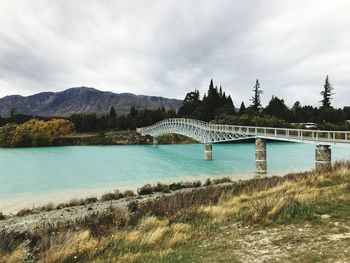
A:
{"x": 163, "y": 188}
{"x": 90, "y": 200}
{"x": 112, "y": 196}
{"x": 2, "y": 216}
{"x": 183, "y": 185}
{"x": 75, "y": 202}
{"x": 24, "y": 212}
{"x": 197, "y": 183}
{"x": 129, "y": 193}
{"x": 107, "y": 197}
{"x": 47, "y": 207}
{"x": 133, "y": 206}
{"x": 207, "y": 182}
{"x": 145, "y": 190}
{"x": 222, "y": 180}
{"x": 103, "y": 224}
{"x": 175, "y": 186}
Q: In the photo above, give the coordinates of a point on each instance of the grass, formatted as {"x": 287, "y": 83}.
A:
{"x": 216, "y": 223}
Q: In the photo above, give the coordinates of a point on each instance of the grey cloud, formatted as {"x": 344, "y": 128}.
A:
{"x": 170, "y": 47}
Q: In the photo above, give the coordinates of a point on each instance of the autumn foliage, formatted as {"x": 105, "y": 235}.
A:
{"x": 34, "y": 132}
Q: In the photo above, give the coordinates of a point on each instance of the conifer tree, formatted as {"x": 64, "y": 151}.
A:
{"x": 112, "y": 113}
{"x": 241, "y": 109}
{"x": 256, "y": 100}
{"x": 326, "y": 94}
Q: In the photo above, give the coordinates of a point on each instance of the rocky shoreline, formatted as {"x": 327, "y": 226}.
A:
{"x": 119, "y": 138}
{"x": 68, "y": 216}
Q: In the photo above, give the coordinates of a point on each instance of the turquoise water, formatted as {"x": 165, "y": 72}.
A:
{"x": 26, "y": 171}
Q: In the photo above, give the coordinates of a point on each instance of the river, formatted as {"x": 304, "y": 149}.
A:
{"x": 35, "y": 176}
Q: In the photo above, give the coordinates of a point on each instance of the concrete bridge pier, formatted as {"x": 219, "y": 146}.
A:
{"x": 155, "y": 141}
{"x": 208, "y": 151}
{"x": 323, "y": 158}
{"x": 260, "y": 156}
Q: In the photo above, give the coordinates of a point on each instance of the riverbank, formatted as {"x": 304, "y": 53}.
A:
{"x": 302, "y": 217}
{"x": 118, "y": 138}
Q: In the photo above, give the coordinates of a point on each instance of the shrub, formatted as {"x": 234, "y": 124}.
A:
{"x": 145, "y": 190}
{"x": 24, "y": 212}
{"x": 207, "y": 182}
{"x": 90, "y": 200}
{"x": 47, "y": 207}
{"x": 61, "y": 205}
{"x": 102, "y": 224}
{"x": 107, "y": 197}
{"x": 133, "y": 206}
{"x": 2, "y": 216}
{"x": 118, "y": 194}
{"x": 112, "y": 196}
{"x": 175, "y": 186}
{"x": 197, "y": 183}
{"x": 129, "y": 193}
{"x": 75, "y": 202}
{"x": 222, "y": 180}
{"x": 163, "y": 188}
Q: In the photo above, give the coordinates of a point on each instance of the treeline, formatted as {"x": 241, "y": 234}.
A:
{"x": 34, "y": 132}
{"x": 219, "y": 108}
{"x": 110, "y": 121}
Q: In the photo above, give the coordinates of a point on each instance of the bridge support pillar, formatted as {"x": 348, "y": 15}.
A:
{"x": 323, "y": 157}
{"x": 155, "y": 141}
{"x": 260, "y": 156}
{"x": 208, "y": 151}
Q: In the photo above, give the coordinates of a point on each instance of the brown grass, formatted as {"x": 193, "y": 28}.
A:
{"x": 159, "y": 226}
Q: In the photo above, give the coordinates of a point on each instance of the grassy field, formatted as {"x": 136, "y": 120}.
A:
{"x": 300, "y": 218}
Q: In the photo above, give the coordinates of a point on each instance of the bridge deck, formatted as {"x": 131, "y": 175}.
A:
{"x": 213, "y": 133}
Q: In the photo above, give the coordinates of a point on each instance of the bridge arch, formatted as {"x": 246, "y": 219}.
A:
{"x": 197, "y": 130}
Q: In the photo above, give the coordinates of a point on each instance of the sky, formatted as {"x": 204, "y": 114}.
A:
{"x": 169, "y": 47}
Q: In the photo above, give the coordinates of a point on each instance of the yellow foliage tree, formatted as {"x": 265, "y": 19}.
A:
{"x": 39, "y": 133}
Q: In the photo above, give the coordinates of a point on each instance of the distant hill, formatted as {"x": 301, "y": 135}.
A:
{"x": 81, "y": 100}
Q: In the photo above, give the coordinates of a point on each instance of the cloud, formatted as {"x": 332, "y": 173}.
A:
{"x": 170, "y": 47}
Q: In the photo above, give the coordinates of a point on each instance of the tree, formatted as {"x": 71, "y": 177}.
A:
{"x": 277, "y": 108}
{"x": 211, "y": 102}
{"x": 112, "y": 113}
{"x": 256, "y": 99}
{"x": 326, "y": 94}
{"x": 241, "y": 109}
{"x": 191, "y": 102}
{"x": 133, "y": 111}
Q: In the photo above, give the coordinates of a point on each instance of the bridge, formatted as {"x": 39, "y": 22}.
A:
{"x": 207, "y": 134}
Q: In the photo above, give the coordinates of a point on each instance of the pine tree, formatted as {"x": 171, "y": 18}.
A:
{"x": 241, "y": 109}
{"x": 326, "y": 94}
{"x": 211, "y": 102}
{"x": 112, "y": 113}
{"x": 256, "y": 100}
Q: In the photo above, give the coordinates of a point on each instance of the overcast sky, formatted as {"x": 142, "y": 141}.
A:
{"x": 167, "y": 48}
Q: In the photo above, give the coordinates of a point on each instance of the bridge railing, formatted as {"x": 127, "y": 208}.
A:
{"x": 263, "y": 132}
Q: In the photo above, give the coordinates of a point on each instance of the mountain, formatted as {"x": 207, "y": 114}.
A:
{"x": 81, "y": 100}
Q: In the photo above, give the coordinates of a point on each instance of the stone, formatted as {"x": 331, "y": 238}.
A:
{"x": 260, "y": 156}
{"x": 323, "y": 157}
{"x": 208, "y": 151}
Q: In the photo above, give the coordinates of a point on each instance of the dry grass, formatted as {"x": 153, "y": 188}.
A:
{"x": 288, "y": 201}
{"x": 159, "y": 227}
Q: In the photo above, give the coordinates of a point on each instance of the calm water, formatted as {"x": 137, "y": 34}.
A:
{"x": 29, "y": 171}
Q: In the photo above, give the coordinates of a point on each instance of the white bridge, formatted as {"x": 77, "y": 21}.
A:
{"x": 207, "y": 134}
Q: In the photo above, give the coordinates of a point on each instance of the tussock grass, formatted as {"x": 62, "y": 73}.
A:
{"x": 156, "y": 228}
{"x": 302, "y": 199}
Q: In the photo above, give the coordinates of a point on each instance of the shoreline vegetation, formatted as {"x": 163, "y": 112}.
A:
{"x": 299, "y": 217}
{"x": 59, "y": 132}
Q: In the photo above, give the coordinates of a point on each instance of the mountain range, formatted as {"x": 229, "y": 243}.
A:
{"x": 81, "y": 100}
